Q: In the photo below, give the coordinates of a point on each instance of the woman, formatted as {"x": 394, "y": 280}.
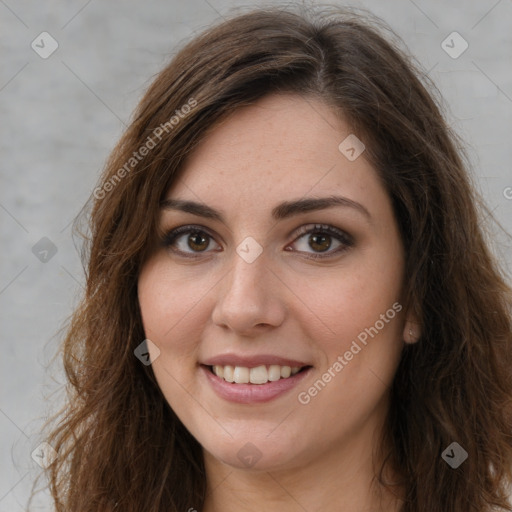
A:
{"x": 290, "y": 303}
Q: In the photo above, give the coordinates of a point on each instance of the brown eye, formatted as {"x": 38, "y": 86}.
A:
{"x": 320, "y": 242}
{"x": 188, "y": 241}
{"x": 198, "y": 242}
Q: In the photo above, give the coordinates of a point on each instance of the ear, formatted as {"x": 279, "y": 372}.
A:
{"x": 412, "y": 328}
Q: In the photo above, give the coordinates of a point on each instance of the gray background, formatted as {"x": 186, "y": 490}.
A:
{"x": 60, "y": 117}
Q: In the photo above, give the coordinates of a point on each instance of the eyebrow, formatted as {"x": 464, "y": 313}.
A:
{"x": 282, "y": 211}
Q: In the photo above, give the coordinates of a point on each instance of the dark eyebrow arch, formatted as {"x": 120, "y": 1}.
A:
{"x": 281, "y": 211}
{"x": 287, "y": 209}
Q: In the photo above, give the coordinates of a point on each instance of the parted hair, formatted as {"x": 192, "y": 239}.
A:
{"x": 120, "y": 446}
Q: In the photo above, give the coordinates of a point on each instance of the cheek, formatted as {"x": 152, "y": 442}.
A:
{"x": 171, "y": 320}
{"x": 170, "y": 310}
{"x": 360, "y": 353}
{"x": 349, "y": 300}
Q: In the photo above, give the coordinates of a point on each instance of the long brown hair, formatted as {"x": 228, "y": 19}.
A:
{"x": 119, "y": 444}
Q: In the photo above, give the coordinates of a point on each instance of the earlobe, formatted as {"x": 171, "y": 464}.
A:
{"x": 412, "y": 332}
{"x": 412, "y": 324}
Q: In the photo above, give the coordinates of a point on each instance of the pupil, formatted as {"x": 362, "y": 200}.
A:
{"x": 196, "y": 240}
{"x": 320, "y": 242}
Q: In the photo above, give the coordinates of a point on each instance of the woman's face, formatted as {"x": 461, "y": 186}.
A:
{"x": 266, "y": 277}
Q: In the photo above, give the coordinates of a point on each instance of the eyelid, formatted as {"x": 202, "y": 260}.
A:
{"x": 345, "y": 239}
{"x": 322, "y": 228}
{"x": 170, "y": 236}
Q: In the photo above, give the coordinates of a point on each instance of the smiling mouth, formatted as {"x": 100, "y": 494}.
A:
{"x": 257, "y": 375}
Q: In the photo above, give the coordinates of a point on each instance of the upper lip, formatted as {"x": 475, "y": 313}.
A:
{"x": 252, "y": 361}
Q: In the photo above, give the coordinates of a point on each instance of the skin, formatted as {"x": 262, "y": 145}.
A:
{"x": 314, "y": 456}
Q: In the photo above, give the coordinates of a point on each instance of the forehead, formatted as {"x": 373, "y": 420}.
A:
{"x": 282, "y": 147}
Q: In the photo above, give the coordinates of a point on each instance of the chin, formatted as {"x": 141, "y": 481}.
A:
{"x": 254, "y": 453}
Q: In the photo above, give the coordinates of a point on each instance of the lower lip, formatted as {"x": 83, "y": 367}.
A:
{"x": 252, "y": 393}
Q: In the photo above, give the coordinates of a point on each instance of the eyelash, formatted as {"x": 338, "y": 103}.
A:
{"x": 346, "y": 240}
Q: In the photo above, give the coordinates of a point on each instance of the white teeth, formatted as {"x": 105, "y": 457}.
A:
{"x": 241, "y": 375}
{"x": 228, "y": 373}
{"x": 257, "y": 375}
{"x": 274, "y": 372}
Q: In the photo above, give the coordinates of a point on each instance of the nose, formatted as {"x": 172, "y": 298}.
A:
{"x": 249, "y": 298}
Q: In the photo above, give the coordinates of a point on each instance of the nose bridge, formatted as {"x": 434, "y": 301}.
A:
{"x": 247, "y": 277}
{"x": 247, "y": 296}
